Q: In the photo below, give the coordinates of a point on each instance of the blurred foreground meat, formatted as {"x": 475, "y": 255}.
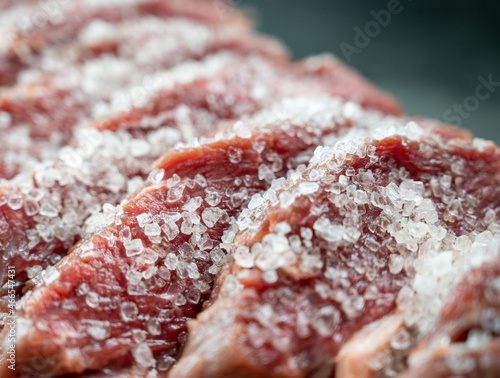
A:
{"x": 466, "y": 340}
{"x": 337, "y": 249}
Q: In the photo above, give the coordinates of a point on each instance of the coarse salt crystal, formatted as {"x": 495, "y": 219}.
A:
{"x": 133, "y": 247}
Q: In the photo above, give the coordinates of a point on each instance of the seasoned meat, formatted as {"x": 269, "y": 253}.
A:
{"x": 465, "y": 340}
{"x": 191, "y": 100}
{"x": 178, "y": 199}
{"x": 39, "y": 115}
{"x": 28, "y": 27}
{"x": 337, "y": 249}
{"x": 128, "y": 288}
{"x": 248, "y": 85}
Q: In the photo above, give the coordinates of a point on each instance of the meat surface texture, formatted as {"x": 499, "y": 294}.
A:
{"x": 178, "y": 199}
{"x": 31, "y": 28}
{"x": 336, "y": 250}
{"x": 47, "y": 211}
{"x": 151, "y": 263}
{"x": 61, "y": 93}
{"x": 465, "y": 341}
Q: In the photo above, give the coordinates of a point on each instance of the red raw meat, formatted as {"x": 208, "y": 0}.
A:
{"x": 43, "y": 216}
{"x": 296, "y": 225}
{"x": 466, "y": 339}
{"x": 254, "y": 83}
{"x": 39, "y": 116}
{"x": 131, "y": 305}
{"x": 344, "y": 82}
{"x": 32, "y": 26}
{"x": 192, "y": 106}
{"x": 336, "y": 252}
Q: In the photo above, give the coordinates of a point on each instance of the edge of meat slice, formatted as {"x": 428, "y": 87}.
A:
{"x": 335, "y": 250}
{"x": 320, "y": 75}
{"x": 465, "y": 341}
{"x": 356, "y": 356}
{"x": 152, "y": 260}
{"x": 348, "y": 84}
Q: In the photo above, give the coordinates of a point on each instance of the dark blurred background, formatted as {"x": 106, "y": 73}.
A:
{"x": 431, "y": 54}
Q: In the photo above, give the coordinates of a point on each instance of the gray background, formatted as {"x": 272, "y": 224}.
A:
{"x": 430, "y": 55}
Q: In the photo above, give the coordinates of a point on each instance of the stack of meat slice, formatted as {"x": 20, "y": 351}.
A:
{"x": 183, "y": 201}
{"x": 44, "y": 214}
{"x": 151, "y": 261}
{"x": 31, "y": 29}
{"x": 69, "y": 83}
